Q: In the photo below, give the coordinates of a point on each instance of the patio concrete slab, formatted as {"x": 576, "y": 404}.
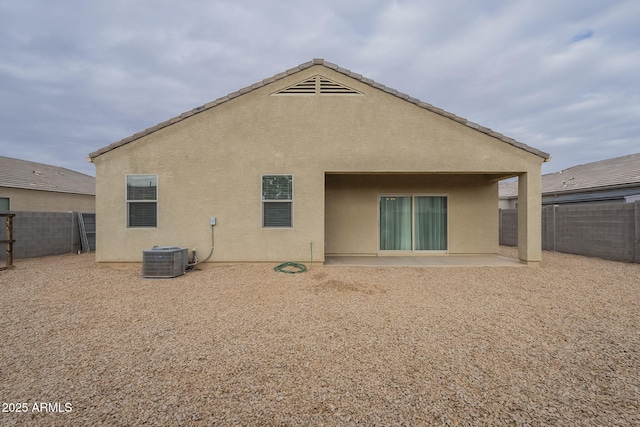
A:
{"x": 423, "y": 261}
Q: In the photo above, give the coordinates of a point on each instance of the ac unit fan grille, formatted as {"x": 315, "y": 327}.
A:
{"x": 164, "y": 262}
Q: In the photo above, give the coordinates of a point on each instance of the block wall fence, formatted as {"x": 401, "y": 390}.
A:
{"x": 604, "y": 230}
{"x": 43, "y": 233}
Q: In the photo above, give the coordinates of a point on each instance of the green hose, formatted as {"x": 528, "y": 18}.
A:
{"x": 299, "y": 268}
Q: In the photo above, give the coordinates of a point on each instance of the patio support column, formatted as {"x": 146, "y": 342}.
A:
{"x": 530, "y": 218}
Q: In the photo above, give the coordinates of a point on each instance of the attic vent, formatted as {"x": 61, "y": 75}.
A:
{"x": 305, "y": 87}
{"x": 318, "y": 85}
{"x": 328, "y": 86}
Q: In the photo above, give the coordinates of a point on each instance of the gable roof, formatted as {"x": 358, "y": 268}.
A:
{"x": 334, "y": 67}
{"x": 618, "y": 171}
{"x": 15, "y": 173}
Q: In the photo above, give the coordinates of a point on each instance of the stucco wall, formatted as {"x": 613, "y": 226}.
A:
{"x": 211, "y": 165}
{"x": 508, "y": 203}
{"x": 47, "y": 201}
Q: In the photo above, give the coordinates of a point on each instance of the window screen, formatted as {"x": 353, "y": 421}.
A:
{"x": 142, "y": 200}
{"x": 277, "y": 200}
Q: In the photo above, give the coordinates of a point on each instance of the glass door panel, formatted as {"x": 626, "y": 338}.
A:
{"x": 395, "y": 223}
{"x": 430, "y": 223}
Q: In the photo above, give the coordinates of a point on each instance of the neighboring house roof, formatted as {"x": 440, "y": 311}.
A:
{"x": 15, "y": 173}
{"x": 618, "y": 171}
{"x": 611, "y": 175}
{"x": 338, "y": 69}
{"x": 508, "y": 189}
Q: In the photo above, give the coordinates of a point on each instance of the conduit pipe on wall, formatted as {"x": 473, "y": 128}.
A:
{"x": 195, "y": 260}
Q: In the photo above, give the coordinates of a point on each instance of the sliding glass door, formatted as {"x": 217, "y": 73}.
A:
{"x": 416, "y": 223}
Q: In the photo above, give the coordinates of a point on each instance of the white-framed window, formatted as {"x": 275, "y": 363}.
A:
{"x": 5, "y": 204}
{"x": 142, "y": 201}
{"x": 413, "y": 222}
{"x": 277, "y": 201}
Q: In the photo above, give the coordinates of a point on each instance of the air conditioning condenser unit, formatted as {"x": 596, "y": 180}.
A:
{"x": 164, "y": 262}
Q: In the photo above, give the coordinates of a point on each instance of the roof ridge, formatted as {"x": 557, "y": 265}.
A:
{"x": 335, "y": 67}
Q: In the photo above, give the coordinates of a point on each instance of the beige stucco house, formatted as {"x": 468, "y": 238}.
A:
{"x": 316, "y": 158}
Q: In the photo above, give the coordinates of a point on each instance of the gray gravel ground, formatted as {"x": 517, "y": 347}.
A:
{"x": 239, "y": 345}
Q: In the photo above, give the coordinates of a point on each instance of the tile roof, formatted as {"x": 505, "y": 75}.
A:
{"x": 508, "y": 189}
{"x": 322, "y": 62}
{"x": 15, "y": 173}
{"x": 618, "y": 171}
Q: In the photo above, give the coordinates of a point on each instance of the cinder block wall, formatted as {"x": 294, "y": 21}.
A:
{"x": 601, "y": 230}
{"x": 43, "y": 233}
{"x": 604, "y": 230}
{"x": 509, "y": 227}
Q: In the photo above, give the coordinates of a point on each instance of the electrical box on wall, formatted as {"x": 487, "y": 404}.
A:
{"x": 212, "y": 220}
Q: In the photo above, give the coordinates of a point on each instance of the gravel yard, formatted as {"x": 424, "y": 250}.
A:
{"x": 244, "y": 345}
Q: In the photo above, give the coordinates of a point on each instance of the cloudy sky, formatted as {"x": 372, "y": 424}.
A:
{"x": 560, "y": 75}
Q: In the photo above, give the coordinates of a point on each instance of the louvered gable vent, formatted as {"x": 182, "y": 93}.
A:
{"x": 329, "y": 86}
{"x": 318, "y": 85}
{"x": 306, "y": 87}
